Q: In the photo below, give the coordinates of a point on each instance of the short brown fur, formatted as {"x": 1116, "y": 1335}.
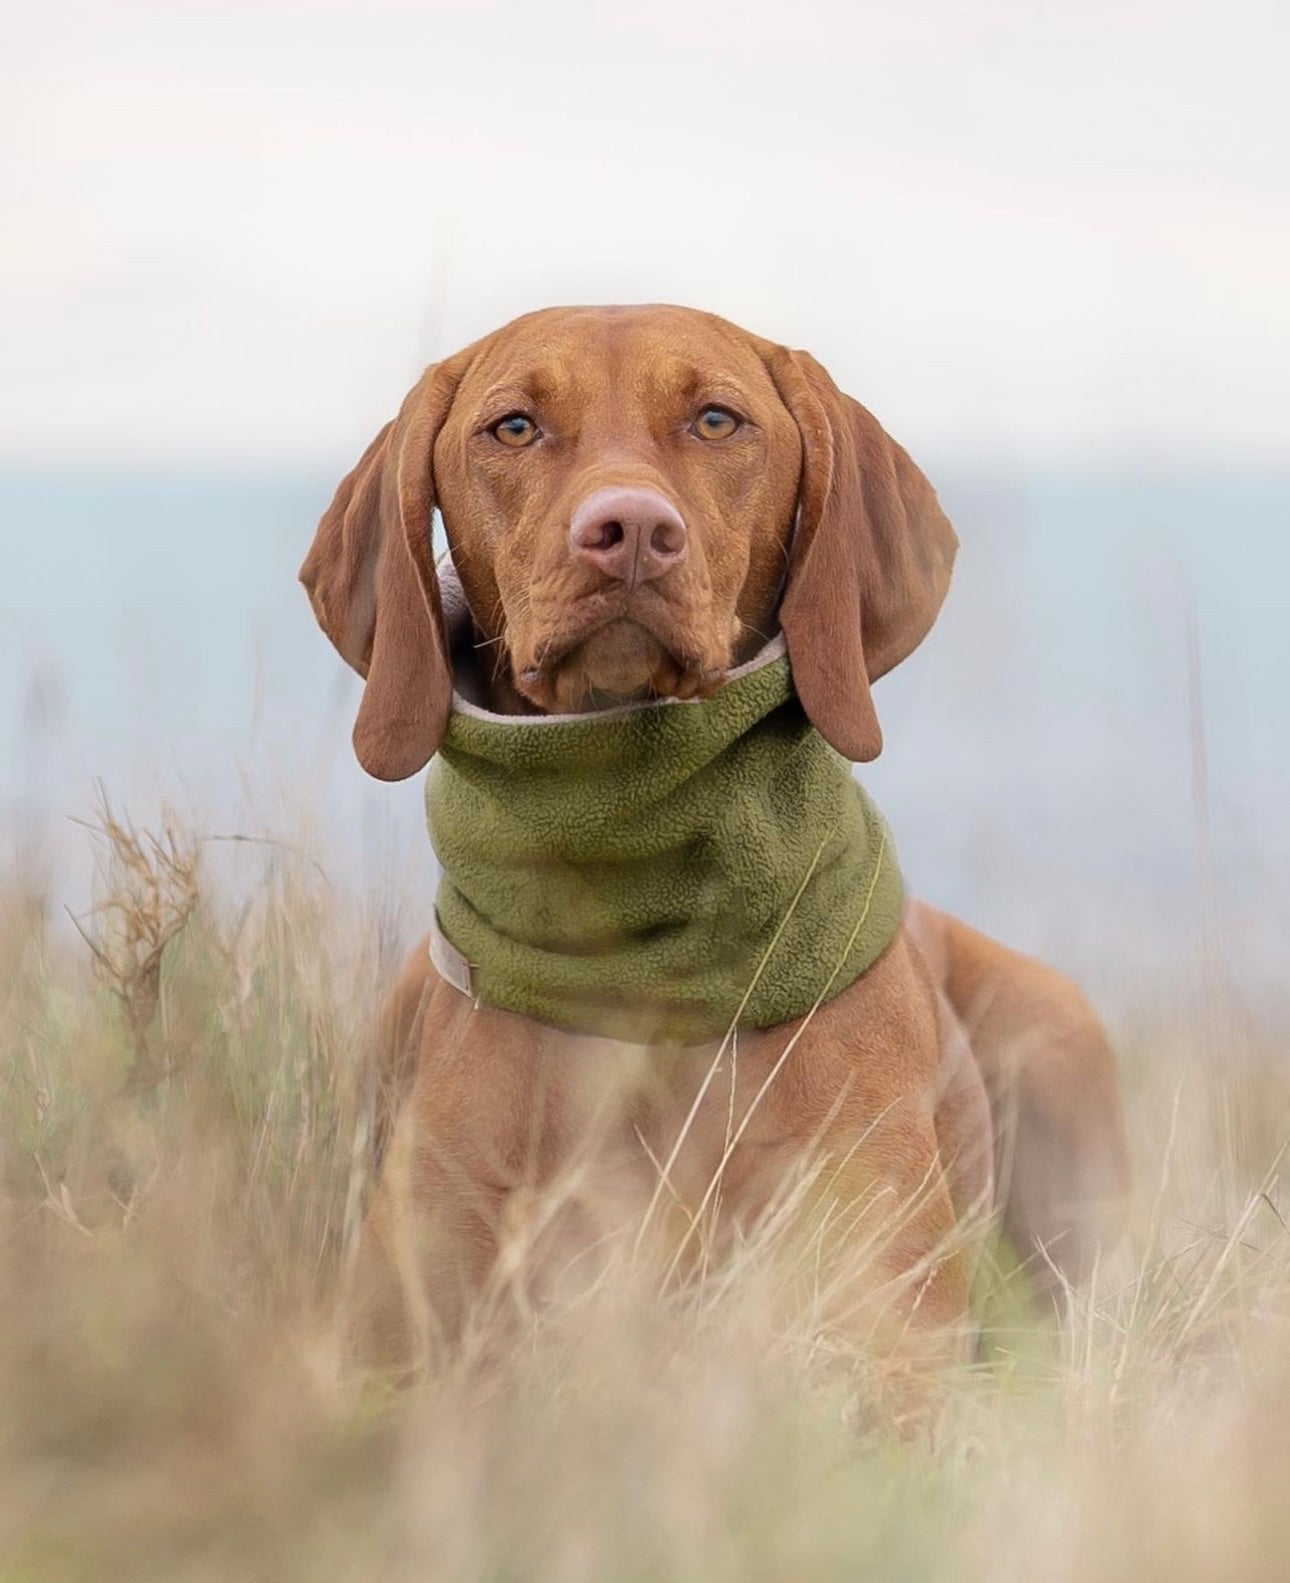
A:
{"x": 952, "y": 1074}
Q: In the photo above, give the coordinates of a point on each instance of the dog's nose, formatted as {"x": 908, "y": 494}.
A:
{"x": 632, "y": 535}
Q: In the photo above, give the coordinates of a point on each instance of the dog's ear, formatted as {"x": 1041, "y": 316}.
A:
{"x": 371, "y": 580}
{"x": 870, "y": 560}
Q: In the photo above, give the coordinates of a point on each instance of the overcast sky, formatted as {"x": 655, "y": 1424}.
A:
{"x": 1021, "y": 232}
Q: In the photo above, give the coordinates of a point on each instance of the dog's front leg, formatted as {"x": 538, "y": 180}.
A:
{"x": 471, "y": 1142}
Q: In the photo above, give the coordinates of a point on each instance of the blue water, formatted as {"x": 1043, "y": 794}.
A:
{"x": 1103, "y": 700}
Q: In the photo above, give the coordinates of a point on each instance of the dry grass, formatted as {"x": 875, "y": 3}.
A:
{"x": 183, "y": 1156}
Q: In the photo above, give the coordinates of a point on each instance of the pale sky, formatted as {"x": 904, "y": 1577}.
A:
{"x": 1022, "y": 233}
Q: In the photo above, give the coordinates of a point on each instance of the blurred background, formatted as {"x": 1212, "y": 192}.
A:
{"x": 1048, "y": 247}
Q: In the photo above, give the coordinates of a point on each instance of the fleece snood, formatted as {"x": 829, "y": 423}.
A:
{"x": 659, "y": 872}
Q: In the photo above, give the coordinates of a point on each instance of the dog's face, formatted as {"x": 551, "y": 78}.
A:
{"x": 619, "y": 488}
{"x": 634, "y": 498}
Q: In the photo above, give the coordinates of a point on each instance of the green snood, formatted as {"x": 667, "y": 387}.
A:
{"x": 662, "y": 871}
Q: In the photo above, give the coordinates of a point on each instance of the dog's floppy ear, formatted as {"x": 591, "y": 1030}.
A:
{"x": 870, "y": 560}
{"x": 371, "y": 580}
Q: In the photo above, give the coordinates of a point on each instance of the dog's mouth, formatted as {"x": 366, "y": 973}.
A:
{"x": 616, "y": 656}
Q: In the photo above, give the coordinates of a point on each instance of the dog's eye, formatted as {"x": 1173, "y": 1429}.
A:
{"x": 515, "y": 429}
{"x": 715, "y": 423}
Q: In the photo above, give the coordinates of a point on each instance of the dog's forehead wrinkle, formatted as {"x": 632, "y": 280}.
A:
{"x": 563, "y": 348}
{"x": 537, "y": 380}
{"x": 606, "y": 336}
{"x": 514, "y": 388}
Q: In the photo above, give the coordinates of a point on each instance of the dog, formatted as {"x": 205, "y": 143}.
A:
{"x": 650, "y": 512}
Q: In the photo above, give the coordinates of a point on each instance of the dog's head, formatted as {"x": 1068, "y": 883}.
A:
{"x": 634, "y": 499}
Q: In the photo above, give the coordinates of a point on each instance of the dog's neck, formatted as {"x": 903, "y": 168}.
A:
{"x": 480, "y": 670}
{"x": 658, "y": 872}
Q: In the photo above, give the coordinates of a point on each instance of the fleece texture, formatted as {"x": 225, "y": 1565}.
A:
{"x": 661, "y": 872}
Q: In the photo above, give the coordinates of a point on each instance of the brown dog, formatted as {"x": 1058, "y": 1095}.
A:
{"x": 635, "y": 499}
